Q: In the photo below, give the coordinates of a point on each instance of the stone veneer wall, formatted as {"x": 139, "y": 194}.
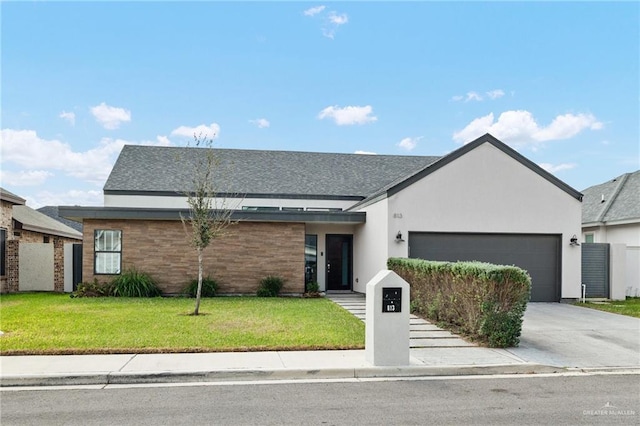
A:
{"x": 6, "y": 213}
{"x": 250, "y": 251}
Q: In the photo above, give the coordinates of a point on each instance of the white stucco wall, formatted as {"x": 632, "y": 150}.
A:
{"x": 371, "y": 245}
{"x": 321, "y": 230}
{"x": 176, "y": 202}
{"x": 487, "y": 191}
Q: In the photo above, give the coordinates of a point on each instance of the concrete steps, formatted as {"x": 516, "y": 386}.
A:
{"x": 422, "y": 333}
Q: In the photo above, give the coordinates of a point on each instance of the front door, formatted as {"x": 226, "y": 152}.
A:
{"x": 339, "y": 261}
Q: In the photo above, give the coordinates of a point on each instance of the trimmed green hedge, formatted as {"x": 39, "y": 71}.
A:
{"x": 483, "y": 301}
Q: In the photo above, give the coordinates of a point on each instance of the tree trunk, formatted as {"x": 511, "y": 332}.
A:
{"x": 199, "y": 292}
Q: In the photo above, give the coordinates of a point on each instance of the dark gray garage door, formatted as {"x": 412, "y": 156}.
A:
{"x": 537, "y": 254}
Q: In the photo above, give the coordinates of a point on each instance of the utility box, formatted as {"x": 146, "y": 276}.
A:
{"x": 387, "y": 324}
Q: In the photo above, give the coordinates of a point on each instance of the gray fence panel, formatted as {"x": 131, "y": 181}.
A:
{"x": 595, "y": 269}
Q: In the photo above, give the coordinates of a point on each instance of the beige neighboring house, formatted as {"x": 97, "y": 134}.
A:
{"x": 32, "y": 246}
{"x": 611, "y": 214}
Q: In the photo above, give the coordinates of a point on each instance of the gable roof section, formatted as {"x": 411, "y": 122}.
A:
{"x": 11, "y": 197}
{"x": 35, "y": 221}
{"x": 614, "y": 200}
{"x": 401, "y": 183}
{"x": 53, "y": 213}
{"x": 152, "y": 170}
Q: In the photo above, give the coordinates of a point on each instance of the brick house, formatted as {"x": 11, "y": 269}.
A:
{"x": 31, "y": 240}
{"x": 335, "y": 219}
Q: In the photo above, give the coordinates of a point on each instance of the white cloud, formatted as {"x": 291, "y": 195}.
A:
{"x": 348, "y": 115}
{"x": 110, "y": 117}
{"x": 69, "y": 116}
{"x": 553, "y": 168}
{"x": 520, "y": 128}
{"x": 313, "y": 10}
{"x": 208, "y": 132}
{"x": 331, "y": 20}
{"x": 475, "y": 96}
{"x": 409, "y": 143}
{"x": 67, "y": 198}
{"x": 336, "y": 19}
{"x": 495, "y": 94}
{"x": 27, "y": 150}
{"x": 24, "y": 177}
{"x": 365, "y": 153}
{"x": 162, "y": 141}
{"x": 260, "y": 122}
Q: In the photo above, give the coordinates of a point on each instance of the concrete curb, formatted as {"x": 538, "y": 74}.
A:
{"x": 619, "y": 370}
{"x": 120, "y": 378}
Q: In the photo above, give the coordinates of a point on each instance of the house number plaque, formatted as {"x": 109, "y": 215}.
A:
{"x": 391, "y": 299}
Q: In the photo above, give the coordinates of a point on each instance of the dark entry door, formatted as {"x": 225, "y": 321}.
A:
{"x": 339, "y": 261}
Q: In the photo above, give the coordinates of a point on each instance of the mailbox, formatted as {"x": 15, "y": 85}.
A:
{"x": 391, "y": 299}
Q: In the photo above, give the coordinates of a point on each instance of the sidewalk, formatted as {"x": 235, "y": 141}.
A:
{"x": 555, "y": 338}
{"x": 53, "y": 370}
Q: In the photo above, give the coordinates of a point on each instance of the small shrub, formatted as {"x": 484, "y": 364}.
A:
{"x": 270, "y": 286}
{"x": 133, "y": 283}
{"x": 209, "y": 288}
{"x": 313, "y": 287}
{"x": 92, "y": 289}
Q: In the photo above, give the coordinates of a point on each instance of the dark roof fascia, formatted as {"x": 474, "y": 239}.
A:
{"x": 251, "y": 195}
{"x": 380, "y": 195}
{"x": 487, "y": 138}
{"x": 502, "y": 147}
{"x": 76, "y": 212}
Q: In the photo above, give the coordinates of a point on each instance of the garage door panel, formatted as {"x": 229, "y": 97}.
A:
{"x": 537, "y": 254}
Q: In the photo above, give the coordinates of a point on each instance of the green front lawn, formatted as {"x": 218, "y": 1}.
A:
{"x": 629, "y": 307}
{"x": 38, "y": 323}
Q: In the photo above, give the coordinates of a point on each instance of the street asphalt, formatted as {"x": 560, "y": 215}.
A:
{"x": 555, "y": 338}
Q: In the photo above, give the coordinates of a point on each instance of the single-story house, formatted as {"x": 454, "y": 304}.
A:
{"x": 335, "y": 219}
{"x": 53, "y": 213}
{"x": 31, "y": 247}
{"x": 611, "y": 215}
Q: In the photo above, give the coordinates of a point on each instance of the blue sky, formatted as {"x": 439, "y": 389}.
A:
{"x": 559, "y": 82}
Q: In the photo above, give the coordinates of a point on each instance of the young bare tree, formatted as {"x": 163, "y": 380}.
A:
{"x": 209, "y": 212}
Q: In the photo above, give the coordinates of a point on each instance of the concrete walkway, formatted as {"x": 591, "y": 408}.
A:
{"x": 422, "y": 333}
{"x": 555, "y": 337}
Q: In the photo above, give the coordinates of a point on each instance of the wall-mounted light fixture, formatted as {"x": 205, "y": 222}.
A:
{"x": 574, "y": 241}
{"x": 399, "y": 237}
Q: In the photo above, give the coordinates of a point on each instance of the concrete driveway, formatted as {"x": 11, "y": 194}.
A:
{"x": 564, "y": 335}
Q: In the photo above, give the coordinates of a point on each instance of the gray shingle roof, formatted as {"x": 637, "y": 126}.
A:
{"x": 617, "y": 199}
{"x": 255, "y": 172}
{"x": 52, "y": 212}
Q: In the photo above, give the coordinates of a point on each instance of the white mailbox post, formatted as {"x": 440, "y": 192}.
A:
{"x": 387, "y": 324}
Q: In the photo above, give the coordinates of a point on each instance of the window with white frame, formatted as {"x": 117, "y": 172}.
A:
{"x": 108, "y": 251}
{"x": 588, "y": 238}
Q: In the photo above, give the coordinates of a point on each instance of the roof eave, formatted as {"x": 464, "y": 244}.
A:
{"x": 49, "y": 231}
{"x": 283, "y": 196}
{"x": 81, "y": 213}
